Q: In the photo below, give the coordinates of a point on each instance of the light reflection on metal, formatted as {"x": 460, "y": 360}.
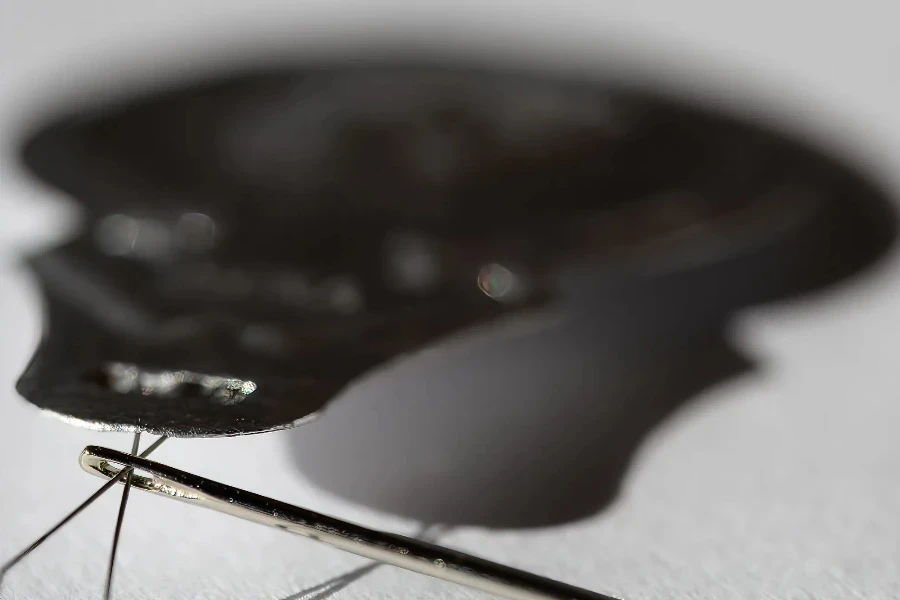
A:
{"x": 412, "y": 263}
{"x": 342, "y": 294}
{"x": 154, "y": 239}
{"x": 499, "y": 283}
{"x": 205, "y": 280}
{"x": 127, "y": 378}
{"x": 195, "y": 232}
{"x": 117, "y": 234}
{"x": 125, "y": 235}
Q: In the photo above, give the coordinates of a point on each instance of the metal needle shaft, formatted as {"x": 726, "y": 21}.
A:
{"x": 406, "y": 553}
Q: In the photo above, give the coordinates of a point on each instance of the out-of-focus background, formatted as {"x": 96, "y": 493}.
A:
{"x": 783, "y": 482}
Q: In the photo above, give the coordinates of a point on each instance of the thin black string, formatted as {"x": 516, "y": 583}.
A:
{"x": 119, "y": 520}
{"x": 106, "y": 487}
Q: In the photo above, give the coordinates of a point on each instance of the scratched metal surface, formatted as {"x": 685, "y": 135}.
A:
{"x": 781, "y": 484}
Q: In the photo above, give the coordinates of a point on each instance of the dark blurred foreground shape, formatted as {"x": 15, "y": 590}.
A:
{"x": 256, "y": 241}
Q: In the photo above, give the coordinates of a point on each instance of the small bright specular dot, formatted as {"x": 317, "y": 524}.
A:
{"x": 496, "y": 280}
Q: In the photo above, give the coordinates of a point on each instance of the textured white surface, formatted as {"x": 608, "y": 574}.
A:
{"x": 784, "y": 484}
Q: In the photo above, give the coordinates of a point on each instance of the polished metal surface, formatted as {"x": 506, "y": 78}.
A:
{"x": 403, "y": 552}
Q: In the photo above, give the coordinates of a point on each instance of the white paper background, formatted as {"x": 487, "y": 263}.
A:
{"x": 789, "y": 489}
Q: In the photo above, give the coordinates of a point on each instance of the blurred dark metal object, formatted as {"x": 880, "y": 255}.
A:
{"x": 256, "y": 242}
